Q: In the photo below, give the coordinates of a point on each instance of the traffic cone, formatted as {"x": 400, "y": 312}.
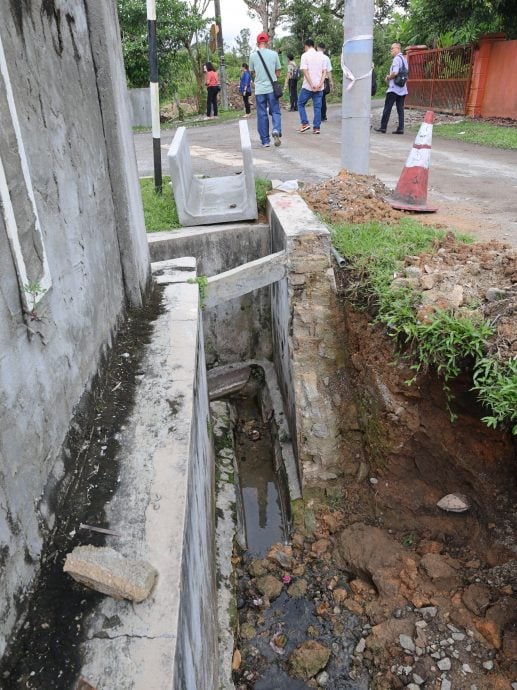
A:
{"x": 411, "y": 191}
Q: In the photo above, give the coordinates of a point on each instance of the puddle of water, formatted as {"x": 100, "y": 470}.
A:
{"x": 263, "y": 501}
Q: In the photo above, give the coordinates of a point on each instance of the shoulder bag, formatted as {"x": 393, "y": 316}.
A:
{"x": 277, "y": 86}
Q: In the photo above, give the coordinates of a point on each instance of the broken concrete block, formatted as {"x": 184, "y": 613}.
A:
{"x": 107, "y": 571}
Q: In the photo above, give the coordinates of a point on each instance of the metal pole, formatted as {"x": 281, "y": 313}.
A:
{"x": 154, "y": 93}
{"x": 356, "y": 104}
{"x": 220, "y": 50}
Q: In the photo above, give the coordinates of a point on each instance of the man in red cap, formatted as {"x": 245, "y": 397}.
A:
{"x": 262, "y": 61}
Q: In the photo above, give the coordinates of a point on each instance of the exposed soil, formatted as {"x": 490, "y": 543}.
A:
{"x": 437, "y": 587}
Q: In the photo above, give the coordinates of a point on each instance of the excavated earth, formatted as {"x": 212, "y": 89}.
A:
{"x": 399, "y": 592}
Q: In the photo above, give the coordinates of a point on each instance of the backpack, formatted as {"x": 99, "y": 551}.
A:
{"x": 403, "y": 74}
{"x": 296, "y": 73}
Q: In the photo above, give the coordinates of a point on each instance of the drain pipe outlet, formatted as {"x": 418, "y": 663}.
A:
{"x": 340, "y": 260}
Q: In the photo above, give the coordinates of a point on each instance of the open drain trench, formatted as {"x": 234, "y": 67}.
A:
{"x": 278, "y": 597}
{"x": 192, "y": 449}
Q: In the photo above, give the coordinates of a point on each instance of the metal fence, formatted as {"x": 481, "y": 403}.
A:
{"x": 440, "y": 79}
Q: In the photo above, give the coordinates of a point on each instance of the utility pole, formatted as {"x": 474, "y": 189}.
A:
{"x": 154, "y": 94}
{"x": 220, "y": 50}
{"x": 356, "y": 61}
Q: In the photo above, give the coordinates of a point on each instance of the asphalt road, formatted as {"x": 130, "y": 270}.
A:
{"x": 474, "y": 186}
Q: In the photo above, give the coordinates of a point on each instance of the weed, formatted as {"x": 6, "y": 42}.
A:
{"x": 33, "y": 290}
{"x": 262, "y": 187}
{"x": 447, "y": 342}
{"x": 202, "y": 282}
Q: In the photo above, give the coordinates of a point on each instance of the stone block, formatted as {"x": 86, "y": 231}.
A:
{"x": 107, "y": 571}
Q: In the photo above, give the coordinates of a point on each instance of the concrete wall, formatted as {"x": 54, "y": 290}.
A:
{"x": 239, "y": 329}
{"x": 164, "y": 510}
{"x": 72, "y": 220}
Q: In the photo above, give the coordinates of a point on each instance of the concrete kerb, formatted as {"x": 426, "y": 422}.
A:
{"x": 202, "y": 201}
{"x": 167, "y": 457}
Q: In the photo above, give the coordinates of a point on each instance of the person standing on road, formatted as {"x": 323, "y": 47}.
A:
{"x": 262, "y": 61}
{"x": 213, "y": 88}
{"x": 394, "y": 94}
{"x": 312, "y": 64}
{"x": 328, "y": 84}
{"x": 291, "y": 82}
{"x": 245, "y": 88}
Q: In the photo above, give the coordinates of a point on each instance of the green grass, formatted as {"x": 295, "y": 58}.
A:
{"x": 262, "y": 187}
{"x": 445, "y": 341}
{"x": 159, "y": 210}
{"x": 476, "y": 132}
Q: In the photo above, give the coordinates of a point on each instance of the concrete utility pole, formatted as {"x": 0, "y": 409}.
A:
{"x": 220, "y": 50}
{"x": 356, "y": 61}
{"x": 154, "y": 94}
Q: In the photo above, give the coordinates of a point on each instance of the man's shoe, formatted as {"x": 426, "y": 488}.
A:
{"x": 398, "y": 131}
{"x": 316, "y": 130}
{"x": 323, "y": 119}
{"x": 266, "y": 146}
{"x": 276, "y": 138}
{"x": 304, "y": 128}
{"x": 379, "y": 129}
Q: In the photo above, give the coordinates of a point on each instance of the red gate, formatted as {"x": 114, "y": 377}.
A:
{"x": 439, "y": 79}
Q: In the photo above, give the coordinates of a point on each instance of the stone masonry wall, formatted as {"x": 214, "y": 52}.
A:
{"x": 308, "y": 335}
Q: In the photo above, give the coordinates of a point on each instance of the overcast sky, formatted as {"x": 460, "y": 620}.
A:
{"x": 234, "y": 17}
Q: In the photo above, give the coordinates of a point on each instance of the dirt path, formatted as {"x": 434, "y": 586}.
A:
{"x": 474, "y": 186}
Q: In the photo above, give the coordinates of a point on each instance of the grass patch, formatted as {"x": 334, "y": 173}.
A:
{"x": 476, "y": 132}
{"x": 447, "y": 342}
{"x": 159, "y": 209}
{"x": 262, "y": 187}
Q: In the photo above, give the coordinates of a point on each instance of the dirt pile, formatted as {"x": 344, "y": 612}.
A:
{"x": 351, "y": 198}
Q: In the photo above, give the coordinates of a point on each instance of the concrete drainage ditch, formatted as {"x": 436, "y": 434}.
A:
{"x": 275, "y": 315}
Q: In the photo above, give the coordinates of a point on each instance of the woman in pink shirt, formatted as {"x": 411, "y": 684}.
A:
{"x": 213, "y": 88}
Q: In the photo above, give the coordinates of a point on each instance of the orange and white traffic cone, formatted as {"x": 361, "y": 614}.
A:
{"x": 411, "y": 191}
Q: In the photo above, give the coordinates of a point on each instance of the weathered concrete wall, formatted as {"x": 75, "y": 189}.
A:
{"x": 240, "y": 328}
{"x": 307, "y": 336}
{"x": 164, "y": 508}
{"x": 64, "y": 173}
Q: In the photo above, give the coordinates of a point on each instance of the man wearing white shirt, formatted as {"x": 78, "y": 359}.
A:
{"x": 312, "y": 64}
{"x": 328, "y": 80}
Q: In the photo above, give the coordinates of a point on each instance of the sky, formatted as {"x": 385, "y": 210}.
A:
{"x": 234, "y": 17}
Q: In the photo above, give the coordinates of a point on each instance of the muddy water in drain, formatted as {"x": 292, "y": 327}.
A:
{"x": 263, "y": 503}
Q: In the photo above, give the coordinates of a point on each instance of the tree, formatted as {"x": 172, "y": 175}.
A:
{"x": 461, "y": 21}
{"x": 243, "y": 45}
{"x": 178, "y": 26}
{"x": 269, "y": 12}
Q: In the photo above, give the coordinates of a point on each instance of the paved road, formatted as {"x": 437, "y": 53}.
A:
{"x": 474, "y": 186}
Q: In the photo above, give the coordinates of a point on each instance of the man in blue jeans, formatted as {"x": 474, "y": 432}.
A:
{"x": 264, "y": 97}
{"x": 313, "y": 66}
